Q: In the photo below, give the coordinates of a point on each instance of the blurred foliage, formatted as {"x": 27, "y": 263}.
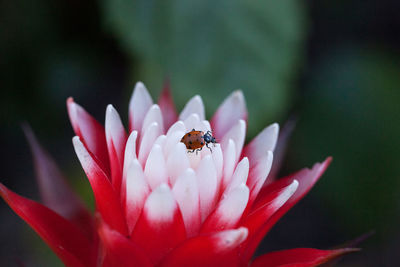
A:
{"x": 351, "y": 111}
{"x": 213, "y": 47}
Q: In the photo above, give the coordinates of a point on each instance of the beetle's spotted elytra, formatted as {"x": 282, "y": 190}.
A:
{"x": 196, "y": 140}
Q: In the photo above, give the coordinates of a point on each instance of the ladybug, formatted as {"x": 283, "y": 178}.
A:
{"x": 195, "y": 140}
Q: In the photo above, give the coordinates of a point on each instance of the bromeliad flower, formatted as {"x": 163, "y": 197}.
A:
{"x": 156, "y": 204}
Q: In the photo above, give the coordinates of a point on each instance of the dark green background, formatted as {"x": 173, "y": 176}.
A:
{"x": 333, "y": 65}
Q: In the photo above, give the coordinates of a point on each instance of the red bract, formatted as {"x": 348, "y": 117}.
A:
{"x": 156, "y": 204}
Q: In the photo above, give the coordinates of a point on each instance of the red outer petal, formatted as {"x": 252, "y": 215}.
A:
{"x": 299, "y": 257}
{"x": 167, "y": 106}
{"x": 116, "y": 168}
{"x": 107, "y": 200}
{"x": 255, "y": 221}
{"x": 306, "y": 178}
{"x": 216, "y": 249}
{"x": 119, "y": 250}
{"x": 64, "y": 238}
{"x": 159, "y": 236}
{"x": 56, "y": 194}
{"x": 116, "y": 140}
{"x": 91, "y": 133}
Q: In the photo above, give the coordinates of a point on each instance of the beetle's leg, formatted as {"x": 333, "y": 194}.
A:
{"x": 198, "y": 150}
{"x": 191, "y": 151}
{"x": 208, "y": 147}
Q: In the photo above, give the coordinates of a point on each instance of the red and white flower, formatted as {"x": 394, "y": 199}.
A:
{"x": 156, "y": 204}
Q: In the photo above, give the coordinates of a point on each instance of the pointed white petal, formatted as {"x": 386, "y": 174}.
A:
{"x": 161, "y": 140}
{"x": 229, "y": 163}
{"x": 206, "y": 125}
{"x": 207, "y": 183}
{"x": 161, "y": 205}
{"x": 239, "y": 176}
{"x": 173, "y": 139}
{"x": 153, "y": 115}
{"x": 177, "y": 126}
{"x": 191, "y": 122}
{"x": 138, "y": 106}
{"x": 229, "y": 210}
{"x": 202, "y": 126}
{"x": 237, "y": 133}
{"x": 194, "y": 158}
{"x": 187, "y": 195}
{"x": 155, "y": 170}
{"x": 147, "y": 140}
{"x": 130, "y": 149}
{"x": 130, "y": 156}
{"x": 218, "y": 162}
{"x": 194, "y": 106}
{"x": 258, "y": 174}
{"x": 231, "y": 110}
{"x": 232, "y": 238}
{"x": 137, "y": 191}
{"x": 263, "y": 142}
{"x": 286, "y": 194}
{"x": 177, "y": 162}
{"x": 115, "y": 131}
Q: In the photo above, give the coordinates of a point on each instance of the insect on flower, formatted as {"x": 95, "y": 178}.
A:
{"x": 195, "y": 140}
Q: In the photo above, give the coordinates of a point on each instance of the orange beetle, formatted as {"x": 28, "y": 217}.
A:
{"x": 195, "y": 140}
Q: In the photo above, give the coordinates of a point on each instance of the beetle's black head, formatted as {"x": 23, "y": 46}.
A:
{"x": 208, "y": 138}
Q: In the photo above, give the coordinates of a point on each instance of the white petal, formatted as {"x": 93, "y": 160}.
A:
{"x": 218, "y": 162}
{"x": 206, "y": 125}
{"x": 161, "y": 205}
{"x": 177, "y": 162}
{"x": 229, "y": 210}
{"x": 137, "y": 191}
{"x": 237, "y": 133}
{"x": 86, "y": 160}
{"x": 155, "y": 170}
{"x": 194, "y": 106}
{"x": 130, "y": 156}
{"x": 187, "y": 195}
{"x": 207, "y": 183}
{"x": 286, "y": 194}
{"x": 153, "y": 115}
{"x": 194, "y": 158}
{"x": 147, "y": 140}
{"x": 263, "y": 142}
{"x": 177, "y": 126}
{"x": 161, "y": 141}
{"x": 138, "y": 106}
{"x": 115, "y": 131}
{"x": 202, "y": 126}
{"x": 229, "y": 163}
{"x": 173, "y": 139}
{"x": 232, "y": 238}
{"x": 231, "y": 110}
{"x": 239, "y": 176}
{"x": 191, "y": 122}
{"x": 258, "y": 174}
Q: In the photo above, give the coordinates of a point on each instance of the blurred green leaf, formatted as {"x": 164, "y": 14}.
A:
{"x": 213, "y": 47}
{"x": 352, "y": 112}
